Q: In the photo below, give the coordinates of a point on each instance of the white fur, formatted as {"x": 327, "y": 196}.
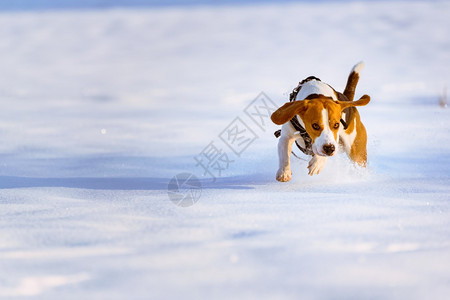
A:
{"x": 287, "y": 138}
{"x": 358, "y": 67}
{"x": 316, "y": 164}
{"x": 325, "y": 137}
{"x": 315, "y": 87}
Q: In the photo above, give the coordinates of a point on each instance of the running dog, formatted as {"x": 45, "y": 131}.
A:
{"x": 318, "y": 119}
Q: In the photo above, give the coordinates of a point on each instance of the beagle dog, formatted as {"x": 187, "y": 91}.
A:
{"x": 318, "y": 119}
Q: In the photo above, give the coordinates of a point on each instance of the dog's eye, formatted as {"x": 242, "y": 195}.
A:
{"x": 336, "y": 125}
{"x": 316, "y": 126}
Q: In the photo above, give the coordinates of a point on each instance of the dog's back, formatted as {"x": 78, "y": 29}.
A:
{"x": 315, "y": 86}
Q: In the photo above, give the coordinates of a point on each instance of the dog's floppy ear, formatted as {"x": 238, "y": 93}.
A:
{"x": 364, "y": 100}
{"x": 288, "y": 111}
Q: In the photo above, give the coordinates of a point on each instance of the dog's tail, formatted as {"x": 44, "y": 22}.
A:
{"x": 352, "y": 81}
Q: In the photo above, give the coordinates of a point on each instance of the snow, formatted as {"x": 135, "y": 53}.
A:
{"x": 102, "y": 107}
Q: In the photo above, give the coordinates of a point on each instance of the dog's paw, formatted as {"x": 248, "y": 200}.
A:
{"x": 284, "y": 174}
{"x": 316, "y": 164}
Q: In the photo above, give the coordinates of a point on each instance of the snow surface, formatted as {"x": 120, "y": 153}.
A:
{"x": 101, "y": 108}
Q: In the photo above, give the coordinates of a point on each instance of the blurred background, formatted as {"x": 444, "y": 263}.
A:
{"x": 103, "y": 102}
{"x": 117, "y": 78}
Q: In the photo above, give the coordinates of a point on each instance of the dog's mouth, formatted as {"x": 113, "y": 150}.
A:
{"x": 324, "y": 154}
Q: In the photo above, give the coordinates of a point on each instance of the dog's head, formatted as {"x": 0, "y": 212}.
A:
{"x": 321, "y": 116}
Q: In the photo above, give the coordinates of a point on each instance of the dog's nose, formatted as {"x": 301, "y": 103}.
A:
{"x": 328, "y": 149}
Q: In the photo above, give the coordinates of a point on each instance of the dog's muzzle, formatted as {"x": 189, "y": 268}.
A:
{"x": 328, "y": 149}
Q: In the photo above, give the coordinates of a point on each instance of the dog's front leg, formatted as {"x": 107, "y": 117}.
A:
{"x": 284, "y": 151}
{"x": 316, "y": 164}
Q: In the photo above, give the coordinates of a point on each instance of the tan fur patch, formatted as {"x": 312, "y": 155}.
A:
{"x": 313, "y": 115}
{"x": 350, "y": 88}
{"x": 310, "y": 110}
{"x": 358, "y": 151}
